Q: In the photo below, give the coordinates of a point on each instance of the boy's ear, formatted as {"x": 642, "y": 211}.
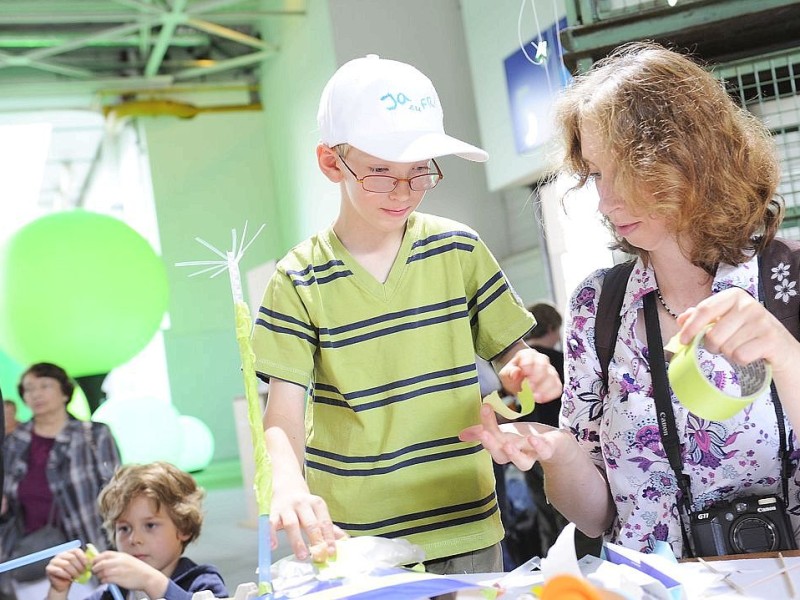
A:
{"x": 328, "y": 161}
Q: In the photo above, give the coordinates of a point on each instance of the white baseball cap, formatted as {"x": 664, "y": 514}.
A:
{"x": 387, "y": 109}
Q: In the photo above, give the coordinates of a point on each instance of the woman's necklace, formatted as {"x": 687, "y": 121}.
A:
{"x": 664, "y": 304}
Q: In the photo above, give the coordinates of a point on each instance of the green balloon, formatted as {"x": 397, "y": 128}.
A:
{"x": 81, "y": 290}
{"x": 10, "y": 372}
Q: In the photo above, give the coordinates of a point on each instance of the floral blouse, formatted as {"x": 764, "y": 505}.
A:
{"x": 724, "y": 460}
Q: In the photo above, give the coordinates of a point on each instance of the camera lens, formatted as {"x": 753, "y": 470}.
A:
{"x": 753, "y": 533}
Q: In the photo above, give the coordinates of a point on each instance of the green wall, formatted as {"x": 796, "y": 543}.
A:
{"x": 209, "y": 175}
{"x": 291, "y": 84}
{"x": 212, "y": 173}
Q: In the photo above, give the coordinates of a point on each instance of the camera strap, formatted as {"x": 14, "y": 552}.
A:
{"x": 661, "y": 396}
{"x": 667, "y": 425}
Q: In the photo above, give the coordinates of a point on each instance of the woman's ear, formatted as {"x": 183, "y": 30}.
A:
{"x": 328, "y": 161}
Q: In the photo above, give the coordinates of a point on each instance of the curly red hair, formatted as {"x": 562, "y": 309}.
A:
{"x": 683, "y": 150}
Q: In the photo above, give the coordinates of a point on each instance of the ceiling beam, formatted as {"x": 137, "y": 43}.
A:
{"x": 168, "y": 24}
{"x": 81, "y": 42}
{"x": 224, "y": 65}
{"x": 14, "y": 60}
{"x": 49, "y": 40}
{"x": 140, "y": 6}
{"x": 124, "y": 17}
{"x": 228, "y": 34}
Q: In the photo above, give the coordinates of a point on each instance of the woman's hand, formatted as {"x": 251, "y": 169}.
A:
{"x": 743, "y": 330}
{"x": 519, "y": 443}
{"x": 574, "y": 485}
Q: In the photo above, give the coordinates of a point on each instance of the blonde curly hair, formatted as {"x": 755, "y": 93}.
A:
{"x": 677, "y": 137}
{"x": 164, "y": 484}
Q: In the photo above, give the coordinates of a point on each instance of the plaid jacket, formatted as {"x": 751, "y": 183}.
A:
{"x": 83, "y": 459}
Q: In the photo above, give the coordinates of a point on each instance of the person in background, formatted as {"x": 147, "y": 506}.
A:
{"x": 687, "y": 182}
{"x": 150, "y": 512}
{"x": 55, "y": 467}
{"x": 378, "y": 320}
{"x": 545, "y": 337}
{"x": 10, "y": 414}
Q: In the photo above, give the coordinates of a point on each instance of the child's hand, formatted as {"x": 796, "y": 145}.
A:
{"x": 66, "y": 567}
{"x": 298, "y": 512}
{"x": 91, "y": 553}
{"x": 127, "y": 571}
{"x": 534, "y": 366}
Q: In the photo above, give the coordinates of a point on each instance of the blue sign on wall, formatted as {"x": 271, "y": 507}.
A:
{"x": 531, "y": 88}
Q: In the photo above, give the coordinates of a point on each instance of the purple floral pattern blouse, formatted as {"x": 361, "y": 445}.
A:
{"x": 724, "y": 460}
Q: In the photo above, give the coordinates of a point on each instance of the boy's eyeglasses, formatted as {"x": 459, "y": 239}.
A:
{"x": 383, "y": 184}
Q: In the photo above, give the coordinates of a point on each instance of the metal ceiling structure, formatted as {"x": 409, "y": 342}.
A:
{"x": 72, "y": 61}
{"x": 142, "y": 43}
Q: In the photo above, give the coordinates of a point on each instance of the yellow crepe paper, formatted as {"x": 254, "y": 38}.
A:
{"x": 263, "y": 470}
{"x": 86, "y": 575}
{"x": 524, "y": 397}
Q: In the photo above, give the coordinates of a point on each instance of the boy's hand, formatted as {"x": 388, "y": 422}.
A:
{"x": 534, "y": 366}
{"x": 127, "y": 571}
{"x": 63, "y": 569}
{"x": 297, "y": 512}
{"x": 91, "y": 553}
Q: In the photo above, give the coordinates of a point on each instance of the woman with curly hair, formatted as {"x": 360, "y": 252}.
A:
{"x": 687, "y": 183}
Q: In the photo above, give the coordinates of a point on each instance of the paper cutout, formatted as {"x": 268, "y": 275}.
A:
{"x": 524, "y": 397}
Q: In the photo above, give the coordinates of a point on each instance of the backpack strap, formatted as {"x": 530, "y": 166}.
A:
{"x": 608, "y": 318}
{"x": 779, "y": 275}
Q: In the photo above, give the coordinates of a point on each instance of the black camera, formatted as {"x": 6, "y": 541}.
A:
{"x": 744, "y": 526}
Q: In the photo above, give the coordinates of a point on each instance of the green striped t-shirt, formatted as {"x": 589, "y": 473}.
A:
{"x": 391, "y": 369}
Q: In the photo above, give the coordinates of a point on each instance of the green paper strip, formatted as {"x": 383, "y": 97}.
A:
{"x": 699, "y": 395}
{"x": 263, "y": 466}
{"x": 524, "y": 397}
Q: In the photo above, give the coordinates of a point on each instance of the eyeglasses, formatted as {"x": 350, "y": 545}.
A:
{"x": 383, "y": 184}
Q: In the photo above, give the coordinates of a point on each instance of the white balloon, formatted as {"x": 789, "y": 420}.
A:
{"x": 146, "y": 429}
{"x": 197, "y": 448}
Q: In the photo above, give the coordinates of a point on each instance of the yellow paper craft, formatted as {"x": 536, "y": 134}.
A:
{"x": 524, "y": 397}
{"x": 86, "y": 575}
{"x": 263, "y": 465}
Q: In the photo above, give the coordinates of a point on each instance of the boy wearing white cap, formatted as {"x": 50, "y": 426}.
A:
{"x": 378, "y": 319}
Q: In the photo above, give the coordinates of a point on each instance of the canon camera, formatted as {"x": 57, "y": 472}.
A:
{"x": 744, "y": 526}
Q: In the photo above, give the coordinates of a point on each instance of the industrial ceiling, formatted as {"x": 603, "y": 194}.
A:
{"x": 82, "y": 58}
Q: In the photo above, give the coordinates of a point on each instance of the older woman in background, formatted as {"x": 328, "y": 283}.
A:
{"x": 55, "y": 467}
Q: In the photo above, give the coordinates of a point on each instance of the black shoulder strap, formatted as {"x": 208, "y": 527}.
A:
{"x": 608, "y": 319}
{"x": 779, "y": 273}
